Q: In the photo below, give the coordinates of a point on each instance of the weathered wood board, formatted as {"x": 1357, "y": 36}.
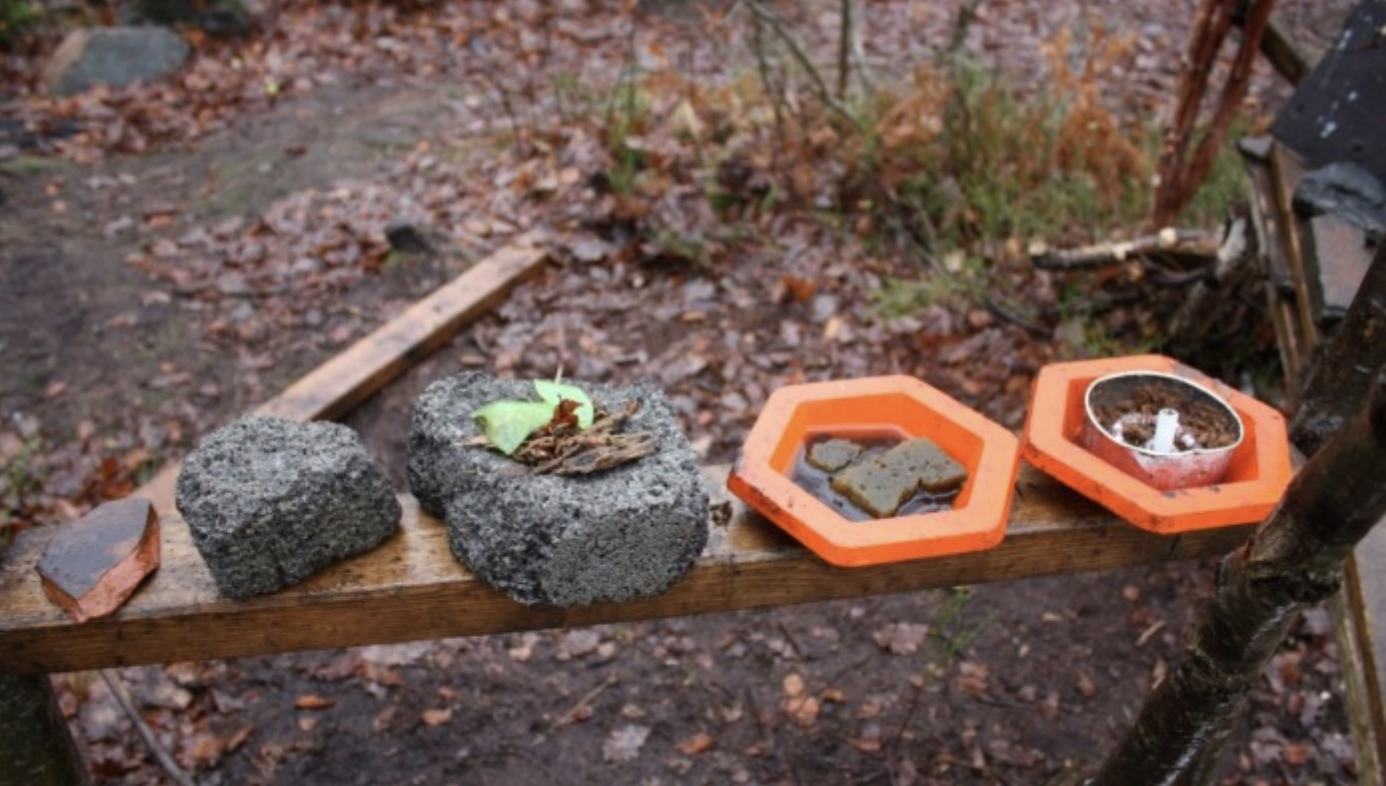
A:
{"x": 339, "y": 385}
{"x": 411, "y": 588}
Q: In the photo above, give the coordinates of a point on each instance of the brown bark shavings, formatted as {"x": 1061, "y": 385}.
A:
{"x": 562, "y": 448}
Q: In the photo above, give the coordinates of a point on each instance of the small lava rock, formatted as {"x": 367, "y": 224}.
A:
{"x": 270, "y": 502}
{"x": 93, "y": 565}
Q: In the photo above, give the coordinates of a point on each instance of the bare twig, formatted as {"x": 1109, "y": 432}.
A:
{"x": 789, "y": 637}
{"x": 863, "y": 69}
{"x": 820, "y": 86}
{"x": 909, "y": 715}
{"x": 1005, "y": 313}
{"x": 844, "y": 48}
{"x": 587, "y": 698}
{"x": 517, "y": 130}
{"x": 117, "y": 686}
{"x": 1196, "y": 242}
{"x": 967, "y": 14}
{"x": 767, "y": 78}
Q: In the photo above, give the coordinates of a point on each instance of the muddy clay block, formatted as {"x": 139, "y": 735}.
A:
{"x": 881, "y": 485}
{"x": 94, "y": 564}
{"x": 831, "y": 455}
{"x": 625, "y": 533}
{"x": 270, "y": 502}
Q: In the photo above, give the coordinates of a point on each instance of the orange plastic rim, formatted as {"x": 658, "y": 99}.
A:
{"x": 1255, "y": 480}
{"x": 898, "y": 405}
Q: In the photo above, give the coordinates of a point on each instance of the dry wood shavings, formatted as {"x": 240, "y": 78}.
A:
{"x": 560, "y": 448}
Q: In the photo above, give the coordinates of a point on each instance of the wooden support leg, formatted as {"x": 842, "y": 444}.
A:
{"x": 35, "y": 746}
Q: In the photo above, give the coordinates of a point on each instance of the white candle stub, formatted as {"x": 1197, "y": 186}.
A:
{"x": 1166, "y": 426}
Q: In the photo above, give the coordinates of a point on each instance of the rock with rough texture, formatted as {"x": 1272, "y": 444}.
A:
{"x": 115, "y": 56}
{"x": 269, "y": 502}
{"x": 94, "y": 564}
{"x": 624, "y": 533}
{"x": 214, "y": 17}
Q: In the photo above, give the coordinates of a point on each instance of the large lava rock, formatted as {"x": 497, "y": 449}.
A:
{"x": 269, "y": 502}
{"x": 624, "y": 533}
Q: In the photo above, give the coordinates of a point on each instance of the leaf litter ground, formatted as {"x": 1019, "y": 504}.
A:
{"x": 149, "y": 299}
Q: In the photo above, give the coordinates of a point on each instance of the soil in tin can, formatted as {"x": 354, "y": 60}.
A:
{"x": 1200, "y": 414}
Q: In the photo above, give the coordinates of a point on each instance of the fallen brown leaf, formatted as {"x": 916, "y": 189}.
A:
{"x": 313, "y": 702}
{"x": 696, "y": 744}
{"x": 437, "y": 717}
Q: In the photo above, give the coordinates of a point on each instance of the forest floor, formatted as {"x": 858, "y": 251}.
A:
{"x": 173, "y": 254}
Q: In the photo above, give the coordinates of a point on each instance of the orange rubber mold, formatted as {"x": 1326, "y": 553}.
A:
{"x": 1254, "y": 482}
{"x": 894, "y": 406}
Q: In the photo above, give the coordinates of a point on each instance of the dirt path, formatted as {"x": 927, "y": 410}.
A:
{"x": 102, "y": 356}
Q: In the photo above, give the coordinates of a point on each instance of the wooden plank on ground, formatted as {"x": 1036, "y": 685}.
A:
{"x": 340, "y": 384}
{"x": 411, "y": 588}
{"x": 337, "y": 386}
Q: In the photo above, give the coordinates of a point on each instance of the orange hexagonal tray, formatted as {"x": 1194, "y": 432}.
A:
{"x": 898, "y": 406}
{"x": 1251, "y": 488}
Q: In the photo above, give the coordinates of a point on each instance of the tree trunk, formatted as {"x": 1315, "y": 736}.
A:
{"x": 1342, "y": 372}
{"x": 35, "y": 746}
{"x": 1294, "y": 559}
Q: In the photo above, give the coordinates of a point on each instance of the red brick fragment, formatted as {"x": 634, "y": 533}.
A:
{"x": 94, "y": 564}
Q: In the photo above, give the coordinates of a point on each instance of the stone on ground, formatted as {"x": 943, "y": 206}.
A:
{"x": 624, "y": 533}
{"x": 214, "y": 17}
{"x": 114, "y": 56}
{"x": 269, "y": 502}
{"x": 94, "y": 564}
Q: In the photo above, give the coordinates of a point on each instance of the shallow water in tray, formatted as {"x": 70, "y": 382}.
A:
{"x": 818, "y": 481}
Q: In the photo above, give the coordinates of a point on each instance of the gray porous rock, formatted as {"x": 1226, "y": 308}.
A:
{"x": 115, "y": 56}
{"x": 269, "y": 502}
{"x": 628, "y": 532}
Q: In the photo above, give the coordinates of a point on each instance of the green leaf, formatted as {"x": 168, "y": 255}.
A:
{"x": 554, "y": 392}
{"x": 507, "y": 423}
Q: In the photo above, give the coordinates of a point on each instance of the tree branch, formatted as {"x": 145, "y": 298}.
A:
{"x": 1341, "y": 374}
{"x": 844, "y": 49}
{"x": 122, "y": 697}
{"x": 1296, "y": 558}
{"x": 1196, "y": 242}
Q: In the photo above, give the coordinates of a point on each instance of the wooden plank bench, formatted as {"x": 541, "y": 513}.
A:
{"x": 411, "y": 587}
